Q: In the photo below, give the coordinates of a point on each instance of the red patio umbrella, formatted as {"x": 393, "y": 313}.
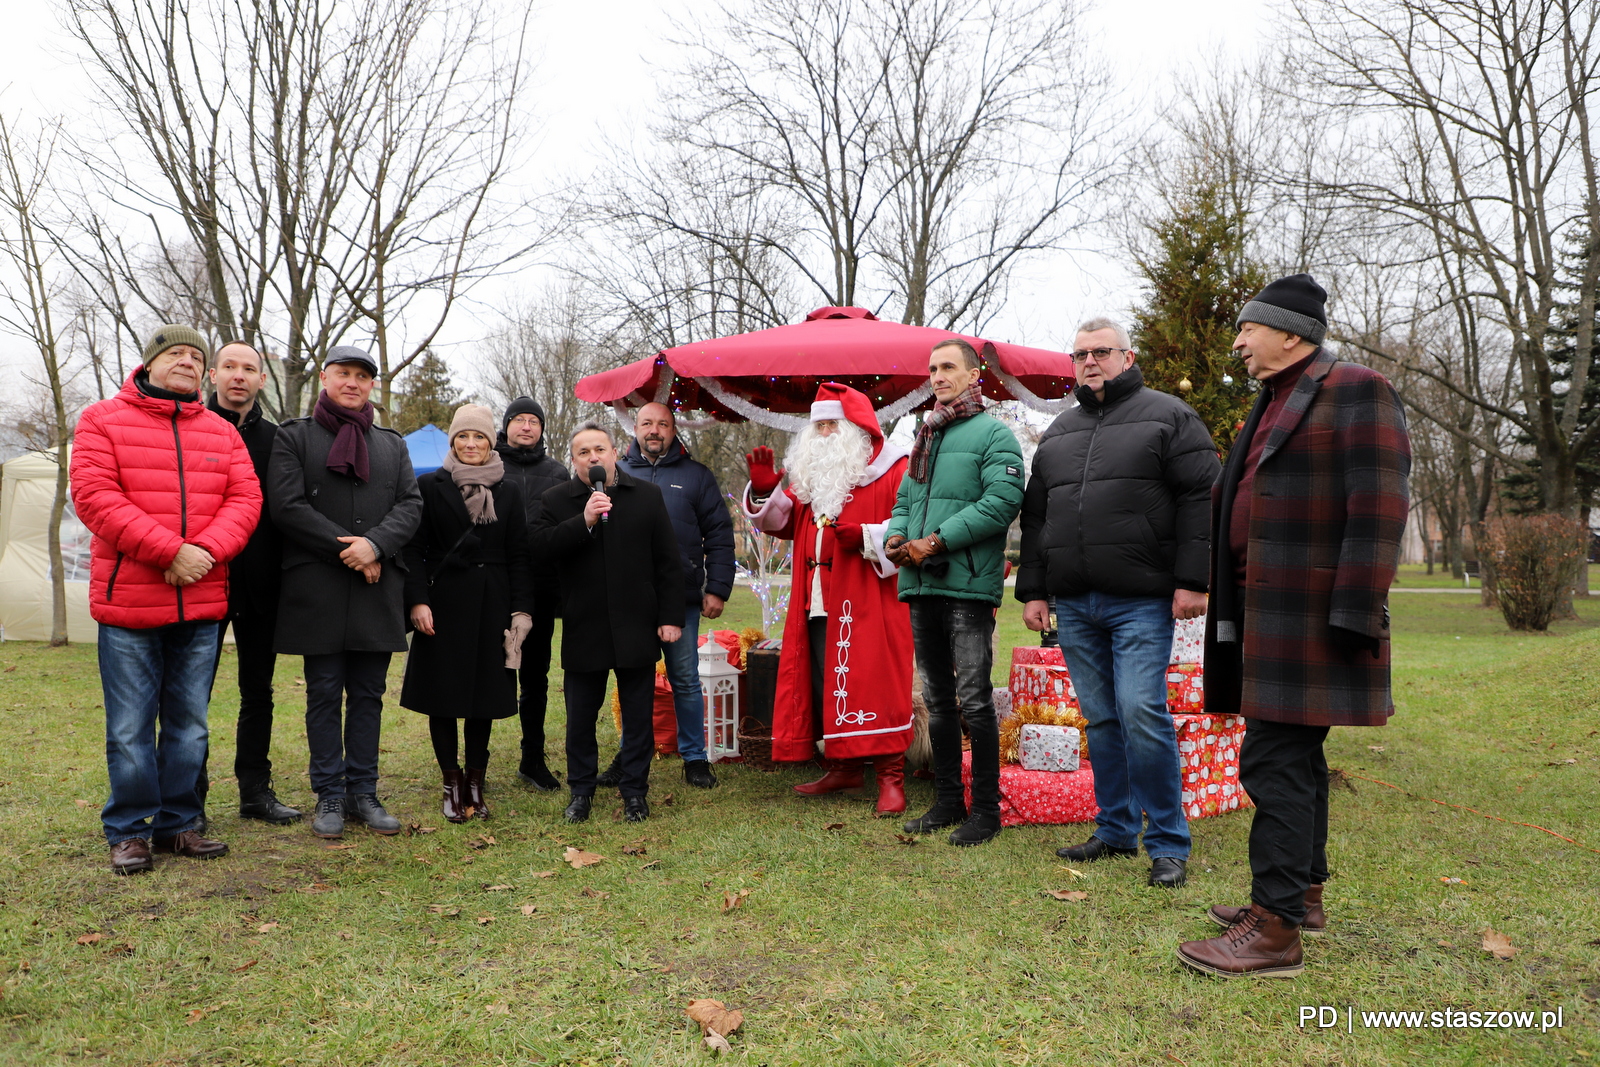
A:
{"x": 770, "y": 376}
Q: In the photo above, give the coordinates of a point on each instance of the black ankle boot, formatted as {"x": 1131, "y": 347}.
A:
{"x": 938, "y": 817}
{"x": 535, "y": 772}
{"x": 977, "y": 830}
{"x": 258, "y": 801}
{"x": 611, "y": 777}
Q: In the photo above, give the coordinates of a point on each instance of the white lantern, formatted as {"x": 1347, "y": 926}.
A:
{"x": 719, "y": 689}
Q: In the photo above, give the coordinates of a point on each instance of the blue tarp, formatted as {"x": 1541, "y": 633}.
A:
{"x": 428, "y": 447}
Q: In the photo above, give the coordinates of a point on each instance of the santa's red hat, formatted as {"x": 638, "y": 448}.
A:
{"x": 842, "y": 403}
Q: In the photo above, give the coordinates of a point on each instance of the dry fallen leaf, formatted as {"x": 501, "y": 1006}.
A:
{"x": 544, "y": 874}
{"x": 834, "y": 826}
{"x": 485, "y": 920}
{"x": 665, "y": 802}
{"x": 466, "y": 812}
{"x": 1375, "y": 748}
{"x": 443, "y": 909}
{"x": 265, "y": 928}
{"x": 581, "y": 859}
{"x": 905, "y": 839}
{"x": 497, "y": 888}
{"x": 1561, "y": 763}
{"x": 529, "y": 909}
{"x": 499, "y": 1009}
{"x": 195, "y": 1016}
{"x": 346, "y": 935}
{"x": 651, "y": 865}
{"x": 81, "y": 803}
{"x": 89, "y": 939}
{"x": 634, "y": 850}
{"x": 590, "y": 891}
{"x": 339, "y": 848}
{"x": 734, "y": 900}
{"x": 314, "y": 887}
{"x": 418, "y": 828}
{"x": 1065, "y": 894}
{"x": 488, "y": 839}
{"x": 1498, "y": 944}
{"x": 714, "y": 1017}
{"x": 716, "y": 1043}
{"x": 245, "y": 966}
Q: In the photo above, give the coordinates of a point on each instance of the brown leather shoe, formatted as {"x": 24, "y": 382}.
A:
{"x": 191, "y": 844}
{"x": 1262, "y": 945}
{"x": 472, "y": 782}
{"x": 1316, "y": 923}
{"x": 131, "y": 856}
{"x": 454, "y": 796}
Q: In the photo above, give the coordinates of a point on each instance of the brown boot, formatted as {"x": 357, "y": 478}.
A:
{"x": 842, "y": 775}
{"x": 1315, "y": 925}
{"x": 454, "y": 795}
{"x": 473, "y": 781}
{"x": 1262, "y": 945}
{"x": 891, "y": 774}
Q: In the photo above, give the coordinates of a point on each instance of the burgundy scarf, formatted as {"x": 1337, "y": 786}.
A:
{"x": 969, "y": 403}
{"x": 348, "y": 455}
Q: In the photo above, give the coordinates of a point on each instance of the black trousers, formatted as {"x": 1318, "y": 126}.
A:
{"x": 954, "y": 639}
{"x": 586, "y": 692}
{"x": 817, "y": 631}
{"x": 534, "y": 682}
{"x": 252, "y": 637}
{"x": 1282, "y": 767}
{"x": 344, "y": 716}
{"x": 442, "y": 732}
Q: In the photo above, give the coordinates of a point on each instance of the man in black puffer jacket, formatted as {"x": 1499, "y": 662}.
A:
{"x": 1116, "y": 525}
{"x": 521, "y": 446}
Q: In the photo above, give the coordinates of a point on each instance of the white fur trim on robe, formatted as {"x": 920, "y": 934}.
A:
{"x": 873, "y": 540}
{"x": 773, "y": 514}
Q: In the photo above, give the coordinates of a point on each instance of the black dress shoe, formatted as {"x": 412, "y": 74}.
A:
{"x": 611, "y": 777}
{"x": 635, "y": 809}
{"x": 1168, "y": 872}
{"x": 697, "y": 772}
{"x": 1093, "y": 849}
{"x": 578, "y": 810}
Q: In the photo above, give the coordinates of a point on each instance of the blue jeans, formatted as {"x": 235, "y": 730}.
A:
{"x": 157, "y": 685}
{"x": 954, "y": 639}
{"x": 1117, "y": 650}
{"x": 683, "y": 671}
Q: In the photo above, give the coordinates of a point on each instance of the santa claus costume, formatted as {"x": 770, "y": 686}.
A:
{"x": 845, "y": 674}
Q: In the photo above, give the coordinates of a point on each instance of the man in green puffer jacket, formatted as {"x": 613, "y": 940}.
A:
{"x": 948, "y": 536}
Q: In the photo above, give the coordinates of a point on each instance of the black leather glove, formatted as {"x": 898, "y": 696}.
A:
{"x": 1351, "y": 643}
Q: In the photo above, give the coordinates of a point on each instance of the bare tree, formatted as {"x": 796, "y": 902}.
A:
{"x": 31, "y": 286}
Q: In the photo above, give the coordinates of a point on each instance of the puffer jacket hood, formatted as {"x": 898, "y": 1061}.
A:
{"x": 1119, "y": 498}
{"x": 148, "y": 476}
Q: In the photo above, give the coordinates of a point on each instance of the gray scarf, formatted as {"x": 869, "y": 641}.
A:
{"x": 475, "y": 483}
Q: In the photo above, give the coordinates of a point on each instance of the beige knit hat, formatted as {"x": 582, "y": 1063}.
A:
{"x": 472, "y": 417}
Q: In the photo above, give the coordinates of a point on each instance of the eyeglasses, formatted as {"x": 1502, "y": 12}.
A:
{"x": 1096, "y": 355}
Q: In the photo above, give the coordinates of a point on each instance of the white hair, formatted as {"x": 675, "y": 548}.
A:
{"x": 1100, "y": 322}
{"x": 824, "y": 469}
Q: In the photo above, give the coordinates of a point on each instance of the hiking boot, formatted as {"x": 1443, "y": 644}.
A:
{"x": 328, "y": 818}
{"x": 258, "y": 801}
{"x": 977, "y": 830}
{"x": 365, "y": 807}
{"x": 1261, "y": 945}
{"x": 1315, "y": 924}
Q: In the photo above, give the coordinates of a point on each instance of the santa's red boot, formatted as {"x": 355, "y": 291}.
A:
{"x": 891, "y": 775}
{"x": 842, "y": 775}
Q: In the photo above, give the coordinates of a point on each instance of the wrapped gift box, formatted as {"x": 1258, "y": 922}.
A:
{"x": 1046, "y": 798}
{"x": 1032, "y": 654}
{"x": 1208, "y": 758}
{"x": 1189, "y": 641}
{"x": 1003, "y": 709}
{"x": 1186, "y": 691}
{"x": 1041, "y": 684}
{"x": 1049, "y": 748}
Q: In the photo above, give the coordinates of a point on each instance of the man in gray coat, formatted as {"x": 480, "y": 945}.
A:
{"x": 342, "y": 493}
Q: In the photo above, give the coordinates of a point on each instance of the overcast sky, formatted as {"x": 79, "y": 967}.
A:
{"x": 600, "y": 60}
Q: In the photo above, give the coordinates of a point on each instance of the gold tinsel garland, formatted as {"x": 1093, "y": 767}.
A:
{"x": 1043, "y": 715}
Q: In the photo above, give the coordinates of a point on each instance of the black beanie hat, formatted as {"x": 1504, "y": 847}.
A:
{"x": 1296, "y": 304}
{"x": 522, "y": 405}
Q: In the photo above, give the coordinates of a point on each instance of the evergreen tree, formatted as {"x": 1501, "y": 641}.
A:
{"x": 425, "y": 394}
{"x": 1196, "y": 280}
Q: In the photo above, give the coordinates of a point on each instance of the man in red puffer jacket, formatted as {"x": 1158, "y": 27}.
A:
{"x": 168, "y": 491}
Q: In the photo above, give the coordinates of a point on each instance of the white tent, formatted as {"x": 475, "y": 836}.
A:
{"x": 27, "y": 490}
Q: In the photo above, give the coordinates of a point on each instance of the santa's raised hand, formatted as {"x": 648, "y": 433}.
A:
{"x": 763, "y": 477}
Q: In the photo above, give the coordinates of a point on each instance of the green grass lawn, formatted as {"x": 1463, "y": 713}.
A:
{"x": 478, "y": 945}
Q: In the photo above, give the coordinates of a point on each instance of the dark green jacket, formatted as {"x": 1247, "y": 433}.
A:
{"x": 973, "y": 491}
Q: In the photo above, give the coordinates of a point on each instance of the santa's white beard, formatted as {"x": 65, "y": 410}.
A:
{"x": 823, "y": 470}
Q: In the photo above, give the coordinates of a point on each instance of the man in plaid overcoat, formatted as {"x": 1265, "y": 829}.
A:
{"x": 1306, "y": 525}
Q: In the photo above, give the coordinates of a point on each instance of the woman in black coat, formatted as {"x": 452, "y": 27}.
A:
{"x": 469, "y": 596}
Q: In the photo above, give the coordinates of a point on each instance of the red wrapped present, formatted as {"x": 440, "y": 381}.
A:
{"x": 1208, "y": 759}
{"x": 1039, "y": 797}
{"x": 1041, "y": 685}
{"x": 1186, "y": 691}
{"x": 664, "y": 713}
{"x": 1032, "y": 654}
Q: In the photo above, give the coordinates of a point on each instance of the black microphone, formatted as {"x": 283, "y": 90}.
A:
{"x": 597, "y": 483}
